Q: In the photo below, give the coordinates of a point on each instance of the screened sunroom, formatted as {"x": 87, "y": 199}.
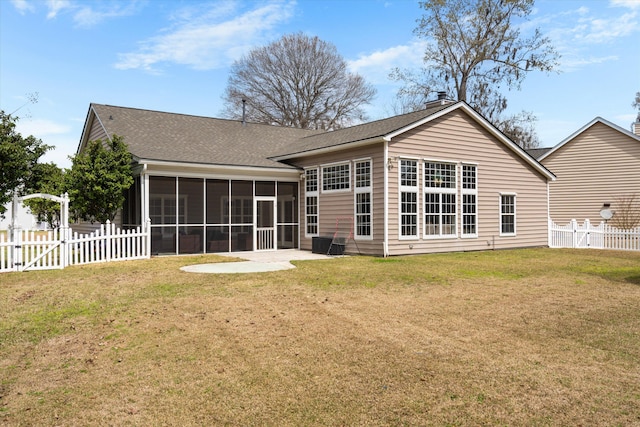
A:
{"x": 198, "y": 215}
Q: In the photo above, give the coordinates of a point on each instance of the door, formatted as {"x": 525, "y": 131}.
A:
{"x": 265, "y": 220}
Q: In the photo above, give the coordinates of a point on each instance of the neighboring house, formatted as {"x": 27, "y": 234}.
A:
{"x": 596, "y": 167}
{"x": 439, "y": 179}
{"x": 24, "y": 219}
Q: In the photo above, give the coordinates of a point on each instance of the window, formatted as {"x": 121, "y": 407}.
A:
{"x": 408, "y": 198}
{"x": 311, "y": 202}
{"x": 363, "y": 198}
{"x": 469, "y": 201}
{"x": 440, "y": 214}
{"x": 336, "y": 177}
{"x": 507, "y": 214}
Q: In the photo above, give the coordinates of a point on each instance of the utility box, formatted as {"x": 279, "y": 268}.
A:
{"x": 322, "y": 245}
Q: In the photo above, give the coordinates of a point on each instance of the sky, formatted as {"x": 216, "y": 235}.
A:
{"x": 58, "y": 56}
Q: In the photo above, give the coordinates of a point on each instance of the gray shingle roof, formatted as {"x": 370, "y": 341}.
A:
{"x": 363, "y": 132}
{"x": 154, "y": 135}
{"x": 536, "y": 153}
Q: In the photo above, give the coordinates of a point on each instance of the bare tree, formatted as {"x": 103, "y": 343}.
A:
{"x": 636, "y": 104}
{"x": 476, "y": 48}
{"x": 626, "y": 212}
{"x": 297, "y": 81}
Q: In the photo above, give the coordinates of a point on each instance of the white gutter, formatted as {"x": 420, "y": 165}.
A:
{"x": 385, "y": 242}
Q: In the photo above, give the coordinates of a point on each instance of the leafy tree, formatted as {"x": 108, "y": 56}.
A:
{"x": 474, "y": 49}
{"x": 49, "y": 179}
{"x": 19, "y": 157}
{"x": 297, "y": 81}
{"x": 98, "y": 179}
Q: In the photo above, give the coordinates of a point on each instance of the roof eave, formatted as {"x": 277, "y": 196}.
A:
{"x": 487, "y": 126}
{"x": 215, "y": 166}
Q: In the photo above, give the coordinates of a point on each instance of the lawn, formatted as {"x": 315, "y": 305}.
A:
{"x": 536, "y": 337}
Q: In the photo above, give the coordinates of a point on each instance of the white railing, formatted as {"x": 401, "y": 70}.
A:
{"x": 36, "y": 250}
{"x": 266, "y": 239}
{"x": 587, "y": 235}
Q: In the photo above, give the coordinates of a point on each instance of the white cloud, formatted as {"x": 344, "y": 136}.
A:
{"x": 631, "y": 4}
{"x": 83, "y": 14}
{"x": 606, "y": 30}
{"x": 55, "y": 6}
{"x": 210, "y": 40}
{"x": 41, "y": 128}
{"x": 88, "y": 16}
{"x": 375, "y": 67}
{"x": 23, "y": 6}
{"x": 582, "y": 35}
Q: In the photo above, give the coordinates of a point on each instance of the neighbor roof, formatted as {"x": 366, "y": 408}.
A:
{"x": 584, "y": 128}
{"x": 171, "y": 137}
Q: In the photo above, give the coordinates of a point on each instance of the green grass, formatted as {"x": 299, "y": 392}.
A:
{"x": 525, "y": 337}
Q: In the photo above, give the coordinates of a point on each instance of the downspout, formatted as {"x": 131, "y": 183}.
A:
{"x": 385, "y": 243}
{"x": 548, "y": 215}
{"x": 144, "y": 185}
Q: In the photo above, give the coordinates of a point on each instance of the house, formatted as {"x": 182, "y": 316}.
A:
{"x": 597, "y": 167}
{"x": 435, "y": 180}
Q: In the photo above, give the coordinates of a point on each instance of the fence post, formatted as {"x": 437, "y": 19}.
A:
{"x": 574, "y": 229}
{"x": 587, "y": 229}
{"x": 147, "y": 238}
{"x": 107, "y": 240}
{"x": 16, "y": 231}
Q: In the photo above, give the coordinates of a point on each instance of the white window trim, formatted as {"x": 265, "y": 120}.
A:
{"x": 515, "y": 214}
{"x": 321, "y": 178}
{"x": 360, "y": 190}
{"x": 315, "y": 194}
{"x": 409, "y": 189}
{"x": 464, "y": 191}
{"x": 429, "y": 190}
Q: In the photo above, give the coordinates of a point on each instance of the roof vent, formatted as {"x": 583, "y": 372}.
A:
{"x": 442, "y": 95}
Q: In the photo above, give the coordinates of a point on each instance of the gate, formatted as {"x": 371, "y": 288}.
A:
{"x": 31, "y": 250}
{"x": 587, "y": 235}
{"x": 25, "y": 250}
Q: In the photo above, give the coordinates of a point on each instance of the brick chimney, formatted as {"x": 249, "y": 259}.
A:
{"x": 635, "y": 127}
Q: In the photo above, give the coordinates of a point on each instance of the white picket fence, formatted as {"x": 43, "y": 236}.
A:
{"x": 57, "y": 249}
{"x": 587, "y": 235}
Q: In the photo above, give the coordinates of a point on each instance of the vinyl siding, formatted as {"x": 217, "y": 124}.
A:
{"x": 96, "y": 131}
{"x": 598, "y": 166}
{"x": 459, "y": 139}
{"x": 333, "y": 205}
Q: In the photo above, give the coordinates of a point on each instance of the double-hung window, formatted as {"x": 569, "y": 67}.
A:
{"x": 439, "y": 199}
{"x": 336, "y": 177}
{"x": 363, "y": 198}
{"x": 311, "y": 202}
{"x": 507, "y": 214}
{"x": 408, "y": 198}
{"x": 469, "y": 201}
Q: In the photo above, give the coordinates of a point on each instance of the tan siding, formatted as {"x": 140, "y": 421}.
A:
{"x": 97, "y": 131}
{"x": 341, "y": 204}
{"x": 598, "y": 166}
{"x": 457, "y": 138}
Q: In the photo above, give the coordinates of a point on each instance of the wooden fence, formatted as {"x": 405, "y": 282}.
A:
{"x": 23, "y": 250}
{"x": 587, "y": 235}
